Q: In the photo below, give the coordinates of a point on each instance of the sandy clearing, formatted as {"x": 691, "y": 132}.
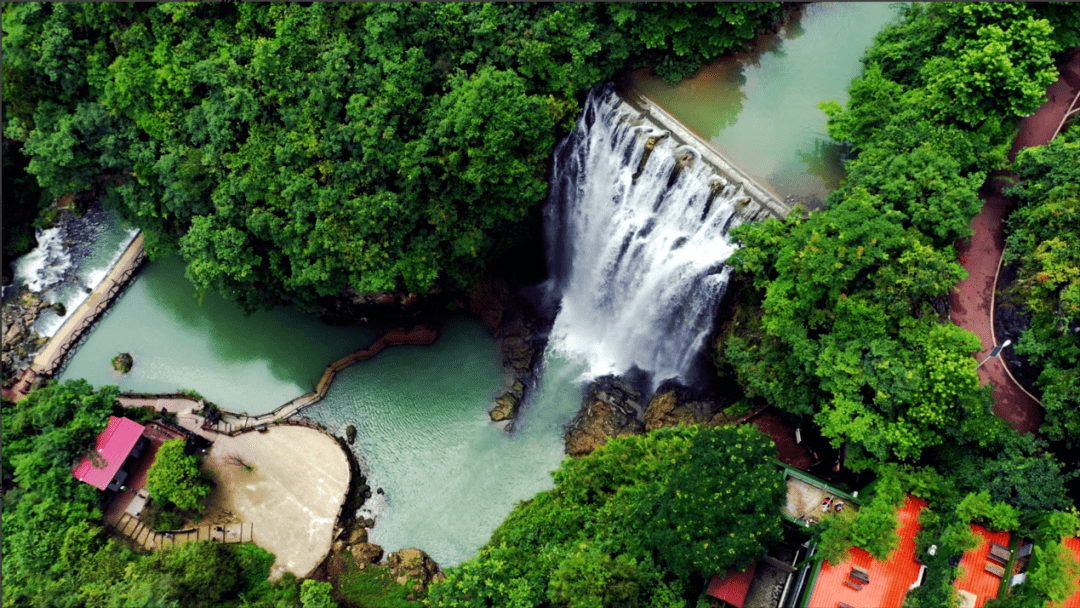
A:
{"x": 291, "y": 497}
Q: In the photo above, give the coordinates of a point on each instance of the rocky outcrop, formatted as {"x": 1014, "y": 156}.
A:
{"x": 352, "y": 306}
{"x": 413, "y": 565}
{"x": 670, "y": 408}
{"x": 519, "y": 346}
{"x": 611, "y": 408}
{"x": 366, "y": 553}
{"x": 507, "y": 404}
{"x": 488, "y": 299}
{"x": 20, "y": 342}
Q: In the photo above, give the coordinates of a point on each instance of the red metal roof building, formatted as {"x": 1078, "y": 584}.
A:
{"x": 973, "y": 577}
{"x": 733, "y": 587}
{"x": 1073, "y": 545}
{"x": 889, "y": 580}
{"x": 112, "y": 448}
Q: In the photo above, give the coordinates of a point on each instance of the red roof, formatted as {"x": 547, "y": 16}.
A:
{"x": 1073, "y": 545}
{"x": 973, "y": 575}
{"x": 889, "y": 581}
{"x": 113, "y": 446}
{"x": 733, "y": 587}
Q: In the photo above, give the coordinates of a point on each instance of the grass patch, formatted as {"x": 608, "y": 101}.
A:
{"x": 374, "y": 587}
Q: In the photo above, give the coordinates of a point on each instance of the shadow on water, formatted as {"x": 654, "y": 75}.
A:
{"x": 248, "y": 363}
{"x": 293, "y": 345}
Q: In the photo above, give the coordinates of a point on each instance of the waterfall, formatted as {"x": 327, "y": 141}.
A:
{"x": 70, "y": 260}
{"x": 637, "y": 240}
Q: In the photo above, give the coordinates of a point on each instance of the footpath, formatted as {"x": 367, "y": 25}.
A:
{"x": 973, "y": 300}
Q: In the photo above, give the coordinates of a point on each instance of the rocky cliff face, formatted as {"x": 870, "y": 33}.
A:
{"x": 520, "y": 343}
{"x": 611, "y": 408}
{"x": 19, "y": 339}
{"x": 671, "y": 408}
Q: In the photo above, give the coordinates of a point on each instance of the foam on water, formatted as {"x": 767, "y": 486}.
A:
{"x": 638, "y": 263}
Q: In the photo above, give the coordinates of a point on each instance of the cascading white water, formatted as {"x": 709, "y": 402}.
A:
{"x": 638, "y": 263}
{"x": 70, "y": 260}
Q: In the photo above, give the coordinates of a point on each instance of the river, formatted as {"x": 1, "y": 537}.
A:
{"x": 449, "y": 476}
{"x": 760, "y": 108}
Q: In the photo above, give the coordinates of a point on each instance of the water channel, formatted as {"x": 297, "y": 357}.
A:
{"x": 448, "y": 474}
{"x": 760, "y": 108}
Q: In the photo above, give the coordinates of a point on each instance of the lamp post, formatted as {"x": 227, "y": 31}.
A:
{"x": 994, "y": 352}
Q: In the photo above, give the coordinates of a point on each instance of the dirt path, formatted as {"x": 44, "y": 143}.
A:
{"x": 973, "y": 301}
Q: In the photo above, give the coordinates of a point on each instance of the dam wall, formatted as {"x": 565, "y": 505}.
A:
{"x": 763, "y": 202}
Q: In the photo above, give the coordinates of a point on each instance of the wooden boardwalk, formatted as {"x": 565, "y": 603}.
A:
{"x": 54, "y": 356}
{"x": 136, "y": 530}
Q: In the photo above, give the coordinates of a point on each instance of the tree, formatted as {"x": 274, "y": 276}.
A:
{"x": 872, "y": 527}
{"x": 1054, "y": 572}
{"x": 175, "y": 477}
{"x": 630, "y": 523}
{"x": 997, "y": 516}
{"x": 315, "y": 594}
{"x": 720, "y": 507}
{"x": 588, "y": 578}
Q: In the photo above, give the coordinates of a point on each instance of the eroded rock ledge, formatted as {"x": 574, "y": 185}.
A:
{"x": 612, "y": 407}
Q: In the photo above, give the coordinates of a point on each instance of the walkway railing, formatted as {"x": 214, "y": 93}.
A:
{"x": 54, "y": 356}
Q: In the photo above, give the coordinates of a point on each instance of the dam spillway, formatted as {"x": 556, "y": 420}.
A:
{"x": 763, "y": 202}
{"x": 636, "y": 225}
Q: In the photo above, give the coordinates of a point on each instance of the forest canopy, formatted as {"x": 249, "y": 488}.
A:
{"x": 291, "y": 152}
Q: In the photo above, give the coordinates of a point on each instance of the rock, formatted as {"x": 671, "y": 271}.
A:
{"x": 20, "y": 342}
{"x": 350, "y": 434}
{"x": 487, "y": 300}
{"x": 357, "y": 536}
{"x": 517, "y": 353}
{"x": 506, "y": 407}
{"x": 611, "y": 408}
{"x": 666, "y": 410}
{"x": 123, "y": 362}
{"x": 366, "y": 553}
{"x": 412, "y": 564}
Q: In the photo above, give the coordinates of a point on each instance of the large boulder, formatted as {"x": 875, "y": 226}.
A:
{"x": 507, "y": 404}
{"x": 412, "y": 564}
{"x": 366, "y": 553}
{"x": 667, "y": 408}
{"x": 611, "y": 408}
{"x": 20, "y": 341}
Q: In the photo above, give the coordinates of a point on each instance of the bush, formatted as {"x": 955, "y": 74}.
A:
{"x": 123, "y": 362}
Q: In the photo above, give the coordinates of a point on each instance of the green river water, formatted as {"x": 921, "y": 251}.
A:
{"x": 760, "y": 108}
{"x": 448, "y": 474}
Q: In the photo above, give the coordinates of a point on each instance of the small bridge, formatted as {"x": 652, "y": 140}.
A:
{"x": 51, "y": 360}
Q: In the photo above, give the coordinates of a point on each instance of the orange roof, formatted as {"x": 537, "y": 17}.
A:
{"x": 973, "y": 576}
{"x": 889, "y": 581}
{"x": 1072, "y": 544}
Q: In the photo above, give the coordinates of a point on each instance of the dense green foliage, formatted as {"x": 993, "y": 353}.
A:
{"x": 22, "y": 204}
{"x": 56, "y": 552}
{"x": 641, "y": 521}
{"x": 852, "y": 332}
{"x": 1043, "y": 238}
{"x": 873, "y": 527}
{"x": 175, "y": 477}
{"x": 291, "y": 152}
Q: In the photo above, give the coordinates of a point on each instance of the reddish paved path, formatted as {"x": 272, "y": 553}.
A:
{"x": 972, "y": 303}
